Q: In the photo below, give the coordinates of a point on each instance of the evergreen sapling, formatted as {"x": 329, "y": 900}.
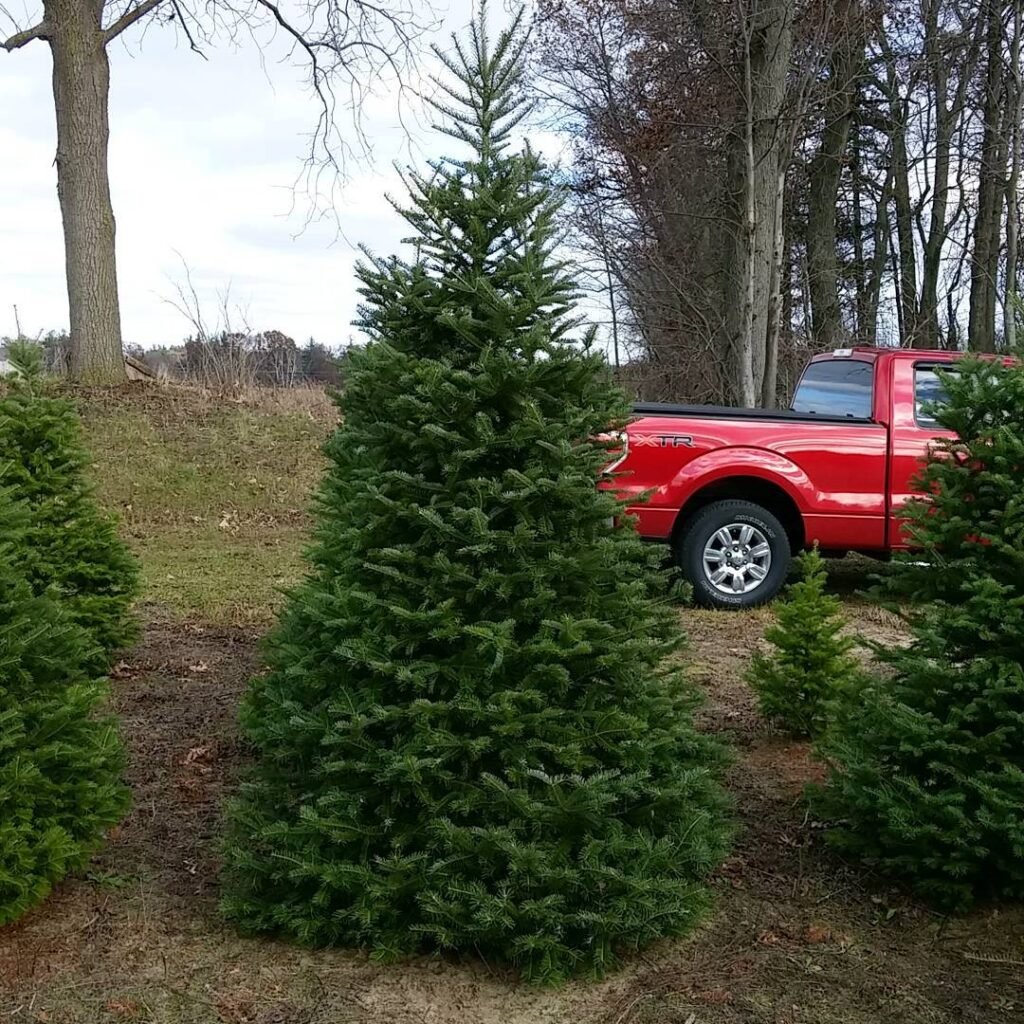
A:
{"x": 811, "y": 663}
{"x": 468, "y": 737}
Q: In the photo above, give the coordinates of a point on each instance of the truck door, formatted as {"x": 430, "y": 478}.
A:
{"x": 915, "y": 386}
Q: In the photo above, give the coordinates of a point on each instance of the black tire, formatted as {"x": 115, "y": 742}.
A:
{"x": 701, "y": 531}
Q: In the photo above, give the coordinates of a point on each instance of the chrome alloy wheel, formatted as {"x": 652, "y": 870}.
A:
{"x": 737, "y": 558}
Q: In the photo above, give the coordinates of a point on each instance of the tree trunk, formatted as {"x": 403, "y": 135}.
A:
{"x": 859, "y": 267}
{"x": 81, "y": 81}
{"x": 929, "y": 334}
{"x": 770, "y": 383}
{"x": 825, "y": 171}
{"x": 867, "y": 317}
{"x": 738, "y": 281}
{"x": 757, "y": 145}
{"x": 985, "y": 256}
{"x": 743, "y": 267}
{"x": 904, "y": 233}
{"x": 1010, "y": 293}
{"x": 897, "y": 284}
{"x": 903, "y": 255}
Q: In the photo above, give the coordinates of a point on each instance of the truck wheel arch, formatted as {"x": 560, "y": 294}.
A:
{"x": 768, "y": 495}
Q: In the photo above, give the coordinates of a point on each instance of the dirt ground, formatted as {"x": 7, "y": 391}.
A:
{"x": 796, "y": 936}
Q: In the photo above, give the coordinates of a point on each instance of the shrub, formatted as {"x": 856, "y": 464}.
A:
{"x": 810, "y": 662}
{"x": 469, "y": 738}
{"x": 927, "y": 770}
{"x": 59, "y": 762}
{"x": 72, "y": 546}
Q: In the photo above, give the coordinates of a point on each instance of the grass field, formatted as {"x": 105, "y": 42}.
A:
{"x": 213, "y": 493}
{"x": 214, "y": 499}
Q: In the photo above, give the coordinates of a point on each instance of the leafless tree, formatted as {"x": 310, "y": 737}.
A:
{"x": 640, "y": 98}
{"x": 685, "y": 117}
{"x": 346, "y": 47}
{"x": 757, "y": 160}
{"x": 761, "y": 179}
{"x": 223, "y": 352}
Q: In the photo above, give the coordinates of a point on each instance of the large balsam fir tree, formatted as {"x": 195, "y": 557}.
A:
{"x": 467, "y": 738}
{"x": 60, "y": 758}
{"x": 927, "y": 767}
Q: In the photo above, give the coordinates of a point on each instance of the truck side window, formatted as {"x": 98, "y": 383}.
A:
{"x": 928, "y": 392}
{"x": 836, "y": 387}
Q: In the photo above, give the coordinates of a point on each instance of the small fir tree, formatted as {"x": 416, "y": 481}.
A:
{"x": 811, "y": 663}
{"x": 59, "y": 761}
{"x": 468, "y": 738}
{"x": 72, "y": 546}
{"x": 927, "y": 769}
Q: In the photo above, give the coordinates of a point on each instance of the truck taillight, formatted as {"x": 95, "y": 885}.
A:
{"x": 619, "y": 448}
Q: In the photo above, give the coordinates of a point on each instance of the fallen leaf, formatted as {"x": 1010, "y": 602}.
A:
{"x": 197, "y": 754}
{"x": 122, "y": 1008}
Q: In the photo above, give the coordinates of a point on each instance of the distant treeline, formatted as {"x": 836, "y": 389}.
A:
{"x": 226, "y": 360}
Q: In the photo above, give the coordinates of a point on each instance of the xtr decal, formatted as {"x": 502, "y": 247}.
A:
{"x": 662, "y": 440}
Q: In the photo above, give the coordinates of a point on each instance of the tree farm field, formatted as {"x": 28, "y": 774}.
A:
{"x": 213, "y": 494}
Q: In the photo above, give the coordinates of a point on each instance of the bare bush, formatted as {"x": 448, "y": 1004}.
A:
{"x": 225, "y": 354}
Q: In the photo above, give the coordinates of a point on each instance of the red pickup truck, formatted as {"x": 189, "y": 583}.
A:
{"x": 736, "y": 491}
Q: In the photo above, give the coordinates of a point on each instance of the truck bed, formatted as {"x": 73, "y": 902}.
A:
{"x": 729, "y": 412}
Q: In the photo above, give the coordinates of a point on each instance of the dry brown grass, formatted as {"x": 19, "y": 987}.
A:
{"x": 309, "y": 398}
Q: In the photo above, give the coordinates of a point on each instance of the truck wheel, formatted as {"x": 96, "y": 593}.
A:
{"x": 735, "y": 554}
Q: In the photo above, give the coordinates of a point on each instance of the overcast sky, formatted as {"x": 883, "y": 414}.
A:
{"x": 203, "y": 155}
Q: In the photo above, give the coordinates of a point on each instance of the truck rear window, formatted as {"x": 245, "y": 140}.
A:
{"x": 836, "y": 387}
{"x": 929, "y": 391}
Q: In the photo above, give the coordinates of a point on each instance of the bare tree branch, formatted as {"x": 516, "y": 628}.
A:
{"x": 188, "y": 32}
{"x": 129, "y": 18}
{"x": 19, "y": 39}
{"x": 310, "y": 48}
{"x": 187, "y": 301}
{"x": 348, "y": 47}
